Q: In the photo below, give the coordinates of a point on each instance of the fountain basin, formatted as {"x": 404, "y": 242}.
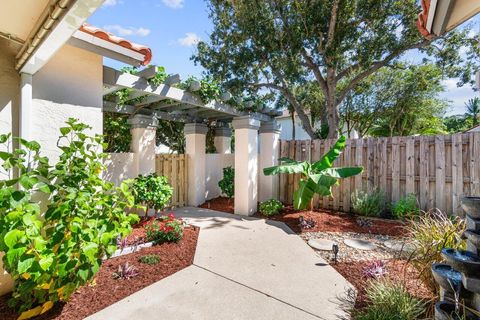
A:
{"x": 471, "y": 206}
{"x": 446, "y": 311}
{"x": 473, "y": 236}
{"x": 447, "y": 277}
{"x": 462, "y": 261}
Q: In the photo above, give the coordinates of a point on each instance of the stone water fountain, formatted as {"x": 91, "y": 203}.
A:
{"x": 459, "y": 276}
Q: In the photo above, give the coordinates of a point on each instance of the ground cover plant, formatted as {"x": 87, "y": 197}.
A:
{"x": 368, "y": 204}
{"x": 406, "y": 207}
{"x": 317, "y": 178}
{"x": 164, "y": 229}
{"x": 150, "y": 259}
{"x": 81, "y": 216}
{"x": 429, "y": 234}
{"x": 227, "y": 184}
{"x": 270, "y": 207}
{"x": 152, "y": 191}
{"x": 390, "y": 300}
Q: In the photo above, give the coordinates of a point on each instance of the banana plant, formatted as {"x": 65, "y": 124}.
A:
{"x": 318, "y": 177}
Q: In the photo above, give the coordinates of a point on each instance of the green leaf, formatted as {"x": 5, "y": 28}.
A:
{"x": 46, "y": 262}
{"x": 25, "y": 264}
{"x": 65, "y": 130}
{"x": 43, "y": 187}
{"x": 27, "y": 181}
{"x": 287, "y": 166}
{"x": 344, "y": 172}
{"x": 12, "y": 237}
{"x": 90, "y": 249}
{"x": 13, "y": 255}
{"x": 327, "y": 160}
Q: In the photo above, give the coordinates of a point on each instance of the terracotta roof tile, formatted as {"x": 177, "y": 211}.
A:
{"x": 422, "y": 20}
{"x": 107, "y": 36}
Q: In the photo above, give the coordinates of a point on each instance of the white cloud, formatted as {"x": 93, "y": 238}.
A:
{"x": 174, "y": 4}
{"x": 110, "y": 3}
{"x": 128, "y": 31}
{"x": 189, "y": 40}
{"x": 456, "y": 95}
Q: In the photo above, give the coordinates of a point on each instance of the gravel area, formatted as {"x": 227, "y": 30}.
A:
{"x": 347, "y": 253}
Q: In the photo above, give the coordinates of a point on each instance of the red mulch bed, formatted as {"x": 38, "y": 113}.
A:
{"x": 106, "y": 291}
{"x": 399, "y": 271}
{"x": 326, "y": 220}
{"x": 219, "y": 204}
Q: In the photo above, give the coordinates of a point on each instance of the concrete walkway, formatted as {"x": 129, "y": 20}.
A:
{"x": 244, "y": 268}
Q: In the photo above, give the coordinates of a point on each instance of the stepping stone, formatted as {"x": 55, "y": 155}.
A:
{"x": 359, "y": 244}
{"x": 321, "y": 244}
{"x": 396, "y": 245}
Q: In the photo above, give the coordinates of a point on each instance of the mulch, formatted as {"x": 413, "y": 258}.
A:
{"x": 326, "y": 220}
{"x": 399, "y": 271}
{"x": 105, "y": 290}
{"x": 222, "y": 204}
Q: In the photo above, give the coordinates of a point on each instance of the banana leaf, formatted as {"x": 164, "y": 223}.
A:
{"x": 327, "y": 160}
{"x": 287, "y": 166}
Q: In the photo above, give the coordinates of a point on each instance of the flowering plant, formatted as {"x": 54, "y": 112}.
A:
{"x": 164, "y": 229}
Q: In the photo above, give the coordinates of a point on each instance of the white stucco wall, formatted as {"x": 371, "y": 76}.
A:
{"x": 120, "y": 166}
{"x": 286, "y": 132}
{"x": 69, "y": 85}
{"x": 215, "y": 163}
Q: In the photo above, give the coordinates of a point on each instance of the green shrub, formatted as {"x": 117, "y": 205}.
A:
{"x": 54, "y": 245}
{"x": 150, "y": 259}
{"x": 116, "y": 131}
{"x": 152, "y": 191}
{"x": 406, "y": 207}
{"x": 390, "y": 301}
{"x": 429, "y": 235}
{"x": 228, "y": 182}
{"x": 164, "y": 229}
{"x": 369, "y": 204}
{"x": 270, "y": 207}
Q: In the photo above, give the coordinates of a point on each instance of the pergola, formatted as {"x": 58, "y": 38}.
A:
{"x": 166, "y": 102}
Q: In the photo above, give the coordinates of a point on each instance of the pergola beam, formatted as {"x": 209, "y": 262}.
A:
{"x": 114, "y": 77}
{"x": 109, "y": 106}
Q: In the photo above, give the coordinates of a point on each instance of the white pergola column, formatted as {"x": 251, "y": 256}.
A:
{"x": 26, "y": 101}
{"x": 269, "y": 152}
{"x": 195, "y": 136}
{"x": 143, "y": 130}
{"x": 246, "y": 164}
{"x": 222, "y": 139}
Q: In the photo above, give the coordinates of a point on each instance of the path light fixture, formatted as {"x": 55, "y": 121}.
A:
{"x": 335, "y": 250}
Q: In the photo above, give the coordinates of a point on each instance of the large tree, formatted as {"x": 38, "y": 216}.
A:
{"x": 281, "y": 44}
{"x": 396, "y": 101}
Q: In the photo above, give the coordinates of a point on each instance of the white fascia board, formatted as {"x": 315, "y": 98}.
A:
{"x": 431, "y": 15}
{"x": 109, "y": 46}
{"x": 65, "y": 28}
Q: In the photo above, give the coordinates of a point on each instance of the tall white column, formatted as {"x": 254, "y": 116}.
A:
{"x": 246, "y": 165}
{"x": 269, "y": 153}
{"x": 195, "y": 136}
{"x": 143, "y": 129}
{"x": 222, "y": 139}
{"x": 26, "y": 101}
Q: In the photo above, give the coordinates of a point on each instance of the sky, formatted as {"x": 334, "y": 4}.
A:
{"x": 172, "y": 28}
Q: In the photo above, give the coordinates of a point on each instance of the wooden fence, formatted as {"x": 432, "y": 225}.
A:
{"x": 438, "y": 169}
{"x": 174, "y": 167}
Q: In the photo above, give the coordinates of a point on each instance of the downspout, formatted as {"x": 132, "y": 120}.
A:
{"x": 46, "y": 23}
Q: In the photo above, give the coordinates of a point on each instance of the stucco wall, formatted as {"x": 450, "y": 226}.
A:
{"x": 214, "y": 164}
{"x": 69, "y": 85}
{"x": 120, "y": 166}
{"x": 9, "y": 92}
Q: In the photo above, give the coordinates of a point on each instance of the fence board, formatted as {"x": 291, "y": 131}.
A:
{"x": 438, "y": 169}
{"x": 174, "y": 167}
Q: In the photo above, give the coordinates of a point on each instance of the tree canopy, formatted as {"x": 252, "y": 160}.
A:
{"x": 396, "y": 101}
{"x": 279, "y": 45}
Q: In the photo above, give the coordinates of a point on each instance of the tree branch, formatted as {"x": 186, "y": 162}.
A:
{"x": 377, "y": 65}
{"x": 315, "y": 69}
{"x": 333, "y": 22}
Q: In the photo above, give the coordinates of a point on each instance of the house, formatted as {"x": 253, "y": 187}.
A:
{"x": 474, "y": 129}
{"x": 51, "y": 68}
